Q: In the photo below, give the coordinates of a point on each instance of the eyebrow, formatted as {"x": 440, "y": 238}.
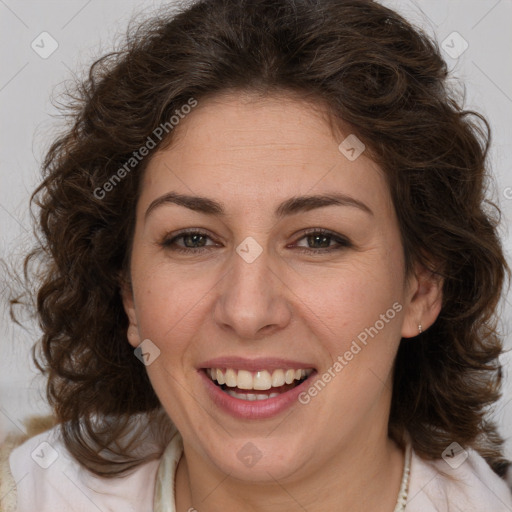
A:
{"x": 291, "y": 206}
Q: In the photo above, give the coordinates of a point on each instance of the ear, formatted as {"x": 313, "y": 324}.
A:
{"x": 126, "y": 292}
{"x": 425, "y": 297}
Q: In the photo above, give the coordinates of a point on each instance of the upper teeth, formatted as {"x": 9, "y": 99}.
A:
{"x": 261, "y": 380}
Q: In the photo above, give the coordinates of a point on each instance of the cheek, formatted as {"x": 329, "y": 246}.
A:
{"x": 356, "y": 315}
{"x": 350, "y": 297}
{"x": 358, "y": 323}
{"x": 170, "y": 304}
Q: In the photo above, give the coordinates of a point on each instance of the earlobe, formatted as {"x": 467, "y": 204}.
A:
{"x": 424, "y": 304}
{"x": 133, "y": 336}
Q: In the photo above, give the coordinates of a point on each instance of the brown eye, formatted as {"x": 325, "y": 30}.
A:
{"x": 320, "y": 240}
{"x": 191, "y": 241}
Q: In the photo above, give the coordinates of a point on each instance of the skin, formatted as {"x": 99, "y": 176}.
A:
{"x": 251, "y": 153}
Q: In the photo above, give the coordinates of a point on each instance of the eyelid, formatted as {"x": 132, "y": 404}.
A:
{"x": 342, "y": 241}
{"x": 170, "y": 239}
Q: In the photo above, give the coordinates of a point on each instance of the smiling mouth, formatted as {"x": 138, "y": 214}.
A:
{"x": 259, "y": 385}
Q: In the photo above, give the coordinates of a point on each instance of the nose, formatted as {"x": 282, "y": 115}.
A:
{"x": 252, "y": 300}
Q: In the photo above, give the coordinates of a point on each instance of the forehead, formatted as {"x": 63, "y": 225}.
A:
{"x": 245, "y": 149}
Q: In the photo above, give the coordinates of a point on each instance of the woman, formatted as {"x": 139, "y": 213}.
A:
{"x": 271, "y": 276}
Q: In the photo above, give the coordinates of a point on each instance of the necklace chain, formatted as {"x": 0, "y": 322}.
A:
{"x": 404, "y": 486}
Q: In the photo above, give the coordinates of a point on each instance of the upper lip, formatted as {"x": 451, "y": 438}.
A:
{"x": 253, "y": 365}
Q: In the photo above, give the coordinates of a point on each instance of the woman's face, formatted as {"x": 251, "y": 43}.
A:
{"x": 254, "y": 297}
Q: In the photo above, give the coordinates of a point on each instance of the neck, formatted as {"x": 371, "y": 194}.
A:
{"x": 364, "y": 476}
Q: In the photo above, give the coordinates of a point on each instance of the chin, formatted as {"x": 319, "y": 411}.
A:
{"x": 258, "y": 459}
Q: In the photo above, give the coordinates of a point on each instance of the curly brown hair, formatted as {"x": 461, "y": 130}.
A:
{"x": 378, "y": 74}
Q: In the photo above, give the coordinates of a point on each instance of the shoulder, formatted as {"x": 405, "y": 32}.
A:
{"x": 7, "y": 483}
{"x": 48, "y": 478}
{"x": 33, "y": 426}
{"x": 463, "y": 483}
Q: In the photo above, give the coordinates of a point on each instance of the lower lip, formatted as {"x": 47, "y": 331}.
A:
{"x": 257, "y": 409}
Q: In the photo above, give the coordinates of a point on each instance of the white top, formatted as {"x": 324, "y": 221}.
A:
{"x": 48, "y": 479}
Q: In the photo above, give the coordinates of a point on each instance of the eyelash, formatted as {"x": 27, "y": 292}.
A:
{"x": 343, "y": 243}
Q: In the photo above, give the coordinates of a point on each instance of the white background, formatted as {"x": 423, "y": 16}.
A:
{"x": 84, "y": 29}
